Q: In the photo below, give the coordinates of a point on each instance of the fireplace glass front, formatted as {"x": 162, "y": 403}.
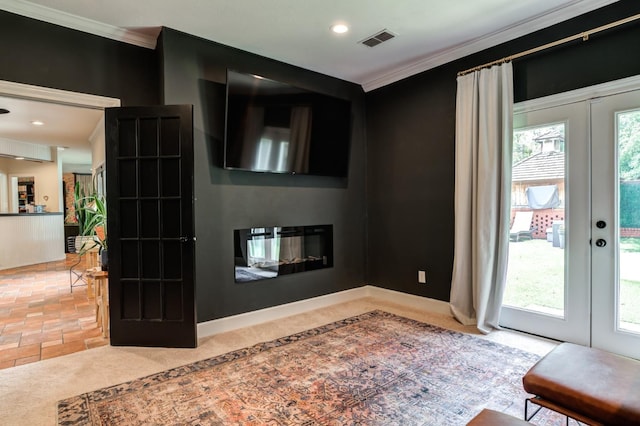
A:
{"x": 262, "y": 253}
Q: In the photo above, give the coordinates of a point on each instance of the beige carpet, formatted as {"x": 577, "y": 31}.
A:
{"x": 29, "y": 393}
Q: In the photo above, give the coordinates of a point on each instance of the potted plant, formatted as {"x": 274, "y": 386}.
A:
{"x": 84, "y": 240}
{"x": 97, "y": 227}
{"x": 91, "y": 212}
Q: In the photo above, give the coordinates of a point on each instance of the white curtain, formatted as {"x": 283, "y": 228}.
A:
{"x": 484, "y": 122}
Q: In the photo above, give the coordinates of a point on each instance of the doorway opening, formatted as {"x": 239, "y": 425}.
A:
{"x": 25, "y": 283}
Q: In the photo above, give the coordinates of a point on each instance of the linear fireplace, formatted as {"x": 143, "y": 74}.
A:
{"x": 262, "y": 253}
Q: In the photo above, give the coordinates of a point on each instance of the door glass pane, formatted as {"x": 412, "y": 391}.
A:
{"x": 628, "y": 140}
{"x": 536, "y": 270}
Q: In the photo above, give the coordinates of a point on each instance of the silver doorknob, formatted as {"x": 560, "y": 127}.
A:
{"x": 600, "y": 242}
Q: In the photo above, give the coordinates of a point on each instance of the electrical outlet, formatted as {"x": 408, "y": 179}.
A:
{"x": 422, "y": 277}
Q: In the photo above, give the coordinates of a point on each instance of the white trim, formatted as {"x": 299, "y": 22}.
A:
{"x": 410, "y": 300}
{"x": 67, "y": 20}
{"x": 209, "y": 328}
{"x": 555, "y": 16}
{"x": 579, "y": 95}
{"x": 249, "y": 319}
{"x": 46, "y": 94}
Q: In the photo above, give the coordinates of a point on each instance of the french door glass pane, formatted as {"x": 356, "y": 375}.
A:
{"x": 628, "y": 138}
{"x": 536, "y": 269}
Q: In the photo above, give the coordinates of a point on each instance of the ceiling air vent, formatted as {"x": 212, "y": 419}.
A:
{"x": 378, "y": 38}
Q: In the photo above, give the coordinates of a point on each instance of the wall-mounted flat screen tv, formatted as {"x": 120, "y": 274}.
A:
{"x": 275, "y": 127}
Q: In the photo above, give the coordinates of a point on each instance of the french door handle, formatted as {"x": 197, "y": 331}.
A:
{"x": 600, "y": 242}
{"x": 184, "y": 239}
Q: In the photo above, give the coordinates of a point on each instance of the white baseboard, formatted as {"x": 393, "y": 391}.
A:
{"x": 409, "y": 300}
{"x": 248, "y": 319}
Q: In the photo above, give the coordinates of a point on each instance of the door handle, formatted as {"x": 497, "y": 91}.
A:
{"x": 184, "y": 239}
{"x": 600, "y": 242}
{"x": 601, "y": 224}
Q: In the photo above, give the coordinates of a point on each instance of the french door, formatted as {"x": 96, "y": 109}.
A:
{"x": 150, "y": 221}
{"x": 548, "y": 290}
{"x": 577, "y": 172}
{"x": 615, "y": 266}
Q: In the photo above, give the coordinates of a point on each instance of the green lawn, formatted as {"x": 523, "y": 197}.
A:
{"x": 535, "y": 279}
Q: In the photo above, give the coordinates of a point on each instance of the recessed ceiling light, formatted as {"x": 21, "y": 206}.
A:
{"x": 61, "y": 148}
{"x": 4, "y": 111}
{"x": 37, "y": 123}
{"x": 19, "y": 158}
{"x": 339, "y": 28}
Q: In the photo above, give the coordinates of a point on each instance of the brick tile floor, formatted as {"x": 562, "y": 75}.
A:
{"x": 39, "y": 316}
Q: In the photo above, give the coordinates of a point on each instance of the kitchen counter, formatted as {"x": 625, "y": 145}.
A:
{"x": 31, "y": 238}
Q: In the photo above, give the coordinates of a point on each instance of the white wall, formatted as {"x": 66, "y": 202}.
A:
{"x": 4, "y": 193}
{"x": 3, "y": 164}
{"x": 4, "y": 186}
{"x": 47, "y": 180}
{"x": 98, "y": 146}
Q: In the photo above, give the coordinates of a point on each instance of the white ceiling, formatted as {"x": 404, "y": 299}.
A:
{"x": 64, "y": 126}
{"x": 429, "y": 32}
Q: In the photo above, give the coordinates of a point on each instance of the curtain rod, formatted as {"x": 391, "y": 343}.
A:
{"x": 584, "y": 36}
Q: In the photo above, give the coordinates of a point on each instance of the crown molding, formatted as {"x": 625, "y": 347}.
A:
{"x": 552, "y": 17}
{"x": 46, "y": 14}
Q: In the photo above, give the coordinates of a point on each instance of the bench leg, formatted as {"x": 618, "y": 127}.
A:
{"x": 528, "y": 417}
{"x": 569, "y": 415}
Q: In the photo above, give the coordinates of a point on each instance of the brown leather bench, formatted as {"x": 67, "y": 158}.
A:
{"x": 495, "y": 418}
{"x": 586, "y": 384}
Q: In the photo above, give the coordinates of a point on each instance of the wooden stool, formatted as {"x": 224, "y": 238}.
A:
{"x": 90, "y": 282}
{"x": 495, "y": 418}
{"x": 102, "y": 299}
{"x": 586, "y": 384}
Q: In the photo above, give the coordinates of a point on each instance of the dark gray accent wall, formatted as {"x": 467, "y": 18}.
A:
{"x": 42, "y": 54}
{"x": 411, "y": 142}
{"x": 402, "y": 157}
{"x": 194, "y": 72}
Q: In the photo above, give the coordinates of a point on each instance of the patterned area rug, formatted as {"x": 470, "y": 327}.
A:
{"x": 372, "y": 369}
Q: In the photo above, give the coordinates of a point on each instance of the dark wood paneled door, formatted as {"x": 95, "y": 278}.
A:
{"x": 150, "y": 225}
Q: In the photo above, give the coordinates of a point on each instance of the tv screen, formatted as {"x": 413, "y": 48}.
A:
{"x": 279, "y": 128}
